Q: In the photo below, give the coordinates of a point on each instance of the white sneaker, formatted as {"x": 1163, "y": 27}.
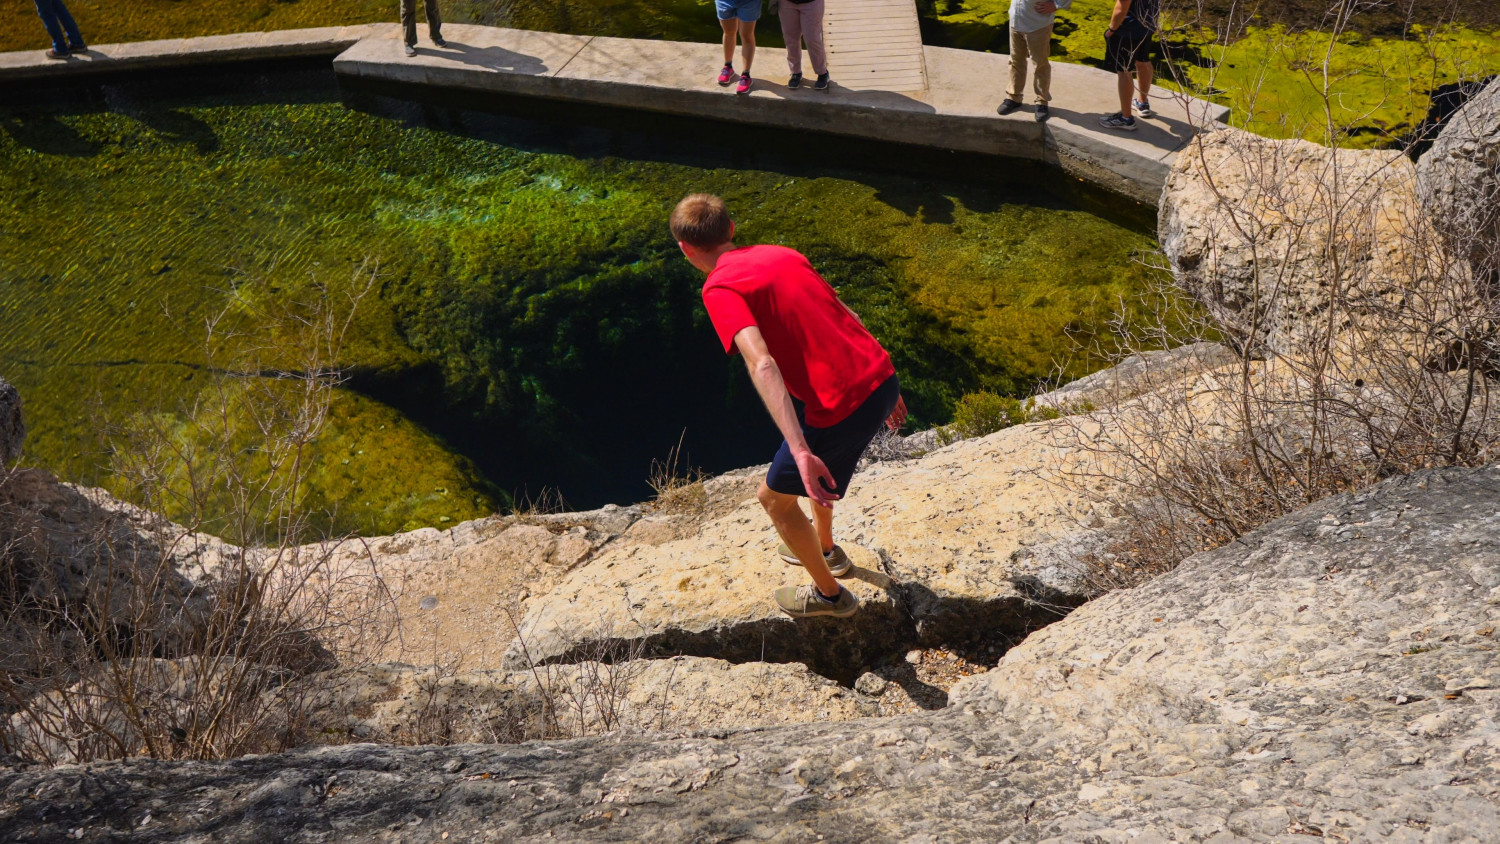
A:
{"x": 1143, "y": 108}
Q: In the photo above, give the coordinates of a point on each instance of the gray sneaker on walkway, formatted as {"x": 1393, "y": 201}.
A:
{"x": 805, "y": 602}
{"x": 837, "y": 560}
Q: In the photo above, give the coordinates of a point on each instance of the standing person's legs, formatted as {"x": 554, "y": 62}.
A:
{"x": 823, "y": 522}
{"x": 840, "y": 448}
{"x": 434, "y": 20}
{"x": 1126, "y": 86}
{"x": 791, "y": 33}
{"x": 747, "y": 43}
{"x": 45, "y": 9}
{"x": 1039, "y": 46}
{"x": 799, "y": 535}
{"x": 812, "y": 33}
{"x": 409, "y": 21}
{"x": 75, "y": 38}
{"x": 1143, "y": 73}
{"x": 730, "y": 26}
{"x": 1017, "y": 67}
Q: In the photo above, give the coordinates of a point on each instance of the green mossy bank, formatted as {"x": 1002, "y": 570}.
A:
{"x": 533, "y": 324}
{"x": 1383, "y": 71}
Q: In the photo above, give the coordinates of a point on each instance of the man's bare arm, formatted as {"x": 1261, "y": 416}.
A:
{"x": 1117, "y": 20}
{"x": 768, "y": 382}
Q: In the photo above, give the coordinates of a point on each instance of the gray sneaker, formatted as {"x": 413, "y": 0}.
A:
{"x": 837, "y": 560}
{"x": 804, "y": 602}
{"x": 410, "y": 51}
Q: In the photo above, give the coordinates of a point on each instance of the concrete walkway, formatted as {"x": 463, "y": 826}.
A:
{"x": 184, "y": 52}
{"x": 875, "y": 45}
{"x": 955, "y": 112}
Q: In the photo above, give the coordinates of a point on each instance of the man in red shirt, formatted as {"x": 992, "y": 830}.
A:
{"x": 799, "y": 341}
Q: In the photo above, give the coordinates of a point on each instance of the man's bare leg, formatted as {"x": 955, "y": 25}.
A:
{"x": 823, "y": 521}
{"x": 747, "y": 42}
{"x": 800, "y": 536}
{"x": 1143, "y": 72}
{"x": 1127, "y": 87}
{"x": 730, "y": 27}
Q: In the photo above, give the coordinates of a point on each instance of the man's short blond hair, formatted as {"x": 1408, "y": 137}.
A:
{"x": 701, "y": 220}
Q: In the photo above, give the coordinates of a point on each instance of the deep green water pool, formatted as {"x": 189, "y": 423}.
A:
{"x": 534, "y": 325}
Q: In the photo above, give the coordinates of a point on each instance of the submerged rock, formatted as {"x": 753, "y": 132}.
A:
{"x": 1332, "y": 674}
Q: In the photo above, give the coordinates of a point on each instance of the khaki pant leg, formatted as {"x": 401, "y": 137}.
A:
{"x": 812, "y": 33}
{"x": 1039, "y": 45}
{"x": 1017, "y": 66}
{"x": 791, "y": 33}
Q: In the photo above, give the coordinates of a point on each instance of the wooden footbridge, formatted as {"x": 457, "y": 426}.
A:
{"x": 875, "y": 45}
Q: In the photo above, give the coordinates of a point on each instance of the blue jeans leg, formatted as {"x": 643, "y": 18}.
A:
{"x": 55, "y": 17}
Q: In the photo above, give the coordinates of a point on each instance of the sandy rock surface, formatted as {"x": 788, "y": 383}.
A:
{"x": 1331, "y": 675}
{"x": 967, "y": 540}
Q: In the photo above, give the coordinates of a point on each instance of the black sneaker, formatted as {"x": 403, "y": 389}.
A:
{"x": 438, "y": 41}
{"x": 822, "y": 83}
{"x": 1007, "y": 106}
{"x": 795, "y": 81}
{"x": 1118, "y": 122}
{"x": 78, "y": 48}
{"x": 1042, "y": 113}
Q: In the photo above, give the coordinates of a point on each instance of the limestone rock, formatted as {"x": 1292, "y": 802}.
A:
{"x": 12, "y": 425}
{"x": 1458, "y": 180}
{"x": 404, "y": 704}
{"x": 1137, "y": 375}
{"x": 707, "y": 595}
{"x": 1332, "y": 675}
{"x": 976, "y": 540}
{"x": 458, "y": 590}
{"x": 1268, "y": 234}
{"x": 86, "y": 553}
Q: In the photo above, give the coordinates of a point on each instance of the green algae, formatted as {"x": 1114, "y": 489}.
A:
{"x": 533, "y": 323}
{"x": 1377, "y": 92}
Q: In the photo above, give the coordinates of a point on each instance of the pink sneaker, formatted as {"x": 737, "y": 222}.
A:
{"x": 744, "y": 87}
{"x": 726, "y": 75}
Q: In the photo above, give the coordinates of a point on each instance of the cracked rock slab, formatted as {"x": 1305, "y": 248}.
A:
{"x": 1331, "y": 675}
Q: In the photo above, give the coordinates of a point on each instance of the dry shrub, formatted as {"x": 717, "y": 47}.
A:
{"x": 678, "y": 487}
{"x": 1367, "y": 348}
{"x": 128, "y": 634}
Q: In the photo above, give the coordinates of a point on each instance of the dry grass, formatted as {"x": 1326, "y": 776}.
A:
{"x": 678, "y": 488}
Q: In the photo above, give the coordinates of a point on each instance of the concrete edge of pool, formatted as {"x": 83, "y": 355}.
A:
{"x": 957, "y": 112}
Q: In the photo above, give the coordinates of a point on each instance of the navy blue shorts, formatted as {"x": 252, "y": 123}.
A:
{"x": 1130, "y": 45}
{"x": 839, "y": 446}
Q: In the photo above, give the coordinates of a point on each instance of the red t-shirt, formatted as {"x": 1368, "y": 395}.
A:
{"x": 827, "y": 359}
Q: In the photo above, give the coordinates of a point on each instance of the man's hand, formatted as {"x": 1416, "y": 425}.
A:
{"x": 814, "y": 471}
{"x": 898, "y": 416}
{"x": 1046, "y": 7}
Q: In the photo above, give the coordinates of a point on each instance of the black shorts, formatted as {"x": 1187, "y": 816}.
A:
{"x": 839, "y": 446}
{"x": 1131, "y": 44}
